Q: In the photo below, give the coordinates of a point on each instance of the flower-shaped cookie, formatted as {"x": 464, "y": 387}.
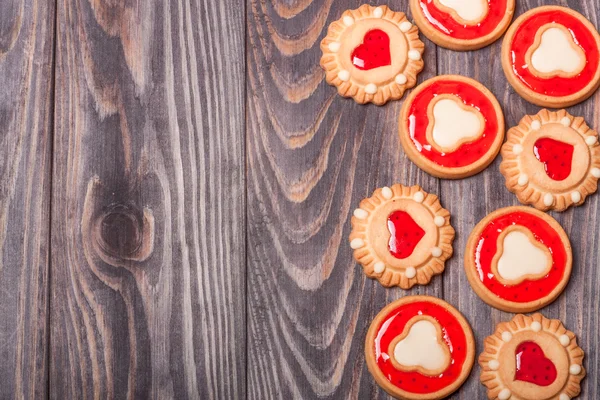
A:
{"x": 372, "y": 54}
{"x": 401, "y": 236}
{"x": 531, "y": 358}
{"x": 551, "y": 160}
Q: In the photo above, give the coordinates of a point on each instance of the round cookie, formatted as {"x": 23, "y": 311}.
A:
{"x": 518, "y": 259}
{"x": 420, "y": 347}
{"x": 451, "y": 126}
{"x": 551, "y": 160}
{"x": 531, "y": 358}
{"x": 401, "y": 236}
{"x": 463, "y": 24}
{"x": 372, "y": 54}
{"x": 551, "y": 56}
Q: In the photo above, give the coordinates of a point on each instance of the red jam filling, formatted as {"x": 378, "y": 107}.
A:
{"x": 393, "y": 326}
{"x": 374, "y": 51}
{"x": 533, "y": 366}
{"x": 444, "y": 22}
{"x": 528, "y": 290}
{"x": 467, "y": 153}
{"x": 555, "y": 86}
{"x": 405, "y": 234}
{"x": 556, "y": 156}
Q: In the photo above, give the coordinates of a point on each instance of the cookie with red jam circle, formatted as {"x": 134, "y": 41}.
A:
{"x": 401, "y": 236}
{"x": 551, "y": 160}
{"x": 372, "y": 54}
{"x": 463, "y": 24}
{"x": 451, "y": 126}
{"x": 551, "y": 56}
{"x": 531, "y": 358}
{"x": 420, "y": 347}
{"x": 518, "y": 259}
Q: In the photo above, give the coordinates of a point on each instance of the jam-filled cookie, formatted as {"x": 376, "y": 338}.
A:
{"x": 518, "y": 259}
{"x": 372, "y": 54}
{"x": 551, "y": 160}
{"x": 463, "y": 24}
{"x": 420, "y": 347}
{"x": 401, "y": 236}
{"x": 531, "y": 358}
{"x": 550, "y": 55}
{"x": 451, "y": 126}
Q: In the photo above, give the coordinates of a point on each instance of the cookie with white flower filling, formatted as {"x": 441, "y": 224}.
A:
{"x": 551, "y": 160}
{"x": 531, "y": 358}
{"x": 420, "y": 347}
{"x": 401, "y": 236}
{"x": 372, "y": 54}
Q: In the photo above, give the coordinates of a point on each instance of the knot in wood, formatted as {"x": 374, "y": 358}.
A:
{"x": 121, "y": 230}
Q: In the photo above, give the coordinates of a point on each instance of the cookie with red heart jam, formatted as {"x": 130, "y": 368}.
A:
{"x": 372, "y": 54}
{"x": 420, "y": 347}
{"x": 451, "y": 126}
{"x": 463, "y": 24}
{"x": 551, "y": 56}
{"x": 531, "y": 358}
{"x": 401, "y": 236}
{"x": 551, "y": 160}
{"x": 518, "y": 259}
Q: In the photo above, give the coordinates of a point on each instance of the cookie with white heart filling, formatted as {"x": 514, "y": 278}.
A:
{"x": 531, "y": 358}
{"x": 420, "y": 347}
{"x": 518, "y": 259}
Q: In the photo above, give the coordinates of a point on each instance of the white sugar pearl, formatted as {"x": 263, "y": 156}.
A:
{"x": 506, "y": 336}
{"x": 517, "y": 149}
{"x": 575, "y": 369}
{"x": 419, "y": 197}
{"x": 334, "y": 47}
{"x": 439, "y": 221}
{"x": 360, "y": 213}
{"x": 576, "y": 197}
{"x": 548, "y": 199}
{"x": 405, "y": 26}
{"x": 378, "y": 13}
{"x": 591, "y": 140}
{"x": 564, "y": 340}
{"x": 379, "y": 267}
{"x": 371, "y": 88}
{"x": 357, "y": 243}
{"x": 504, "y": 394}
{"x": 523, "y": 180}
{"x": 596, "y": 172}
{"x": 436, "y": 252}
{"x": 536, "y": 326}
{"x": 386, "y": 192}
{"x": 344, "y": 75}
{"x": 566, "y": 121}
{"x": 494, "y": 365}
{"x": 414, "y": 55}
{"x": 536, "y": 125}
{"x": 348, "y": 20}
{"x": 401, "y": 79}
{"x": 410, "y": 272}
{"x": 564, "y": 396}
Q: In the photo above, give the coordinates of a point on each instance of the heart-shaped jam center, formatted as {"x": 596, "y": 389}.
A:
{"x": 374, "y": 51}
{"x": 557, "y": 157}
{"x": 405, "y": 234}
{"x": 533, "y": 366}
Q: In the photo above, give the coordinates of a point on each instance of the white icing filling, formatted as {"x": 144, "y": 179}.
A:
{"x": 334, "y": 46}
{"x": 452, "y": 123}
{"x": 506, "y": 336}
{"x": 523, "y": 180}
{"x": 410, "y": 272}
{"x": 591, "y": 140}
{"x": 360, "y": 213}
{"x": 386, "y": 192}
{"x": 414, "y": 55}
{"x": 548, "y": 199}
{"x": 520, "y": 257}
{"x": 564, "y": 396}
{"x": 421, "y": 347}
{"x": 419, "y": 197}
{"x": 576, "y": 197}
{"x": 436, "y": 252}
{"x": 405, "y": 26}
{"x": 439, "y": 221}
{"x": 494, "y": 365}
{"x": 344, "y": 75}
{"x": 348, "y": 20}
{"x": 575, "y": 369}
{"x": 378, "y": 13}
{"x": 564, "y": 340}
{"x": 357, "y": 243}
{"x": 401, "y": 79}
{"x": 536, "y": 326}
{"x": 379, "y": 267}
{"x": 371, "y": 88}
{"x": 566, "y": 121}
{"x": 536, "y": 125}
{"x": 469, "y": 10}
{"x": 556, "y": 53}
{"x": 596, "y": 172}
{"x": 517, "y": 149}
{"x": 504, "y": 394}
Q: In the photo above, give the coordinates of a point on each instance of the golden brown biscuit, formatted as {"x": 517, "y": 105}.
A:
{"x": 531, "y": 358}
{"x": 372, "y": 54}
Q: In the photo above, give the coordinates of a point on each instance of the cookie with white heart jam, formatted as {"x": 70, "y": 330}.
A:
{"x": 551, "y": 160}
{"x": 518, "y": 259}
{"x": 463, "y": 24}
{"x": 451, "y": 126}
{"x": 420, "y": 347}
{"x": 551, "y": 56}
{"x": 401, "y": 236}
{"x": 531, "y": 358}
{"x": 372, "y": 54}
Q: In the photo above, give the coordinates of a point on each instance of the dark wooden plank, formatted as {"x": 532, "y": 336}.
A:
{"x": 472, "y": 199}
{"x": 148, "y": 228}
{"x": 26, "y": 58}
{"x": 312, "y": 156}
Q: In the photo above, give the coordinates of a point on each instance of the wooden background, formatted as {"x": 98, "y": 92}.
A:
{"x": 176, "y": 182}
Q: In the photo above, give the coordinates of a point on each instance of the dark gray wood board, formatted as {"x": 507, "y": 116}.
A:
{"x": 148, "y": 227}
{"x": 26, "y": 109}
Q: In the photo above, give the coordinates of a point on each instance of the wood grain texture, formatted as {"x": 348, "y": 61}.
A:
{"x": 148, "y": 232}
{"x": 26, "y": 58}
